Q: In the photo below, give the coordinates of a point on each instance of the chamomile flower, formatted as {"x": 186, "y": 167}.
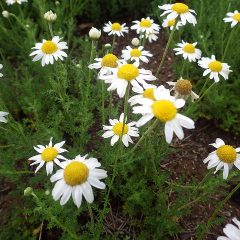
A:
{"x": 180, "y": 10}
{"x": 3, "y": 116}
{"x": 233, "y": 18}
{"x": 146, "y": 25}
{"x": 105, "y": 64}
{"x": 127, "y": 73}
{"x": 142, "y": 93}
{"x": 11, "y": 2}
{"x": 115, "y": 28}
{"x": 1, "y": 66}
{"x": 225, "y": 156}
{"x": 76, "y": 179}
{"x": 231, "y": 231}
{"x": 150, "y": 36}
{"x": 188, "y": 50}
{"x": 116, "y": 131}
{"x": 136, "y": 55}
{"x": 49, "y": 50}
{"x": 48, "y": 155}
{"x": 214, "y": 68}
{"x": 171, "y": 23}
{"x": 183, "y": 89}
{"x": 165, "y": 109}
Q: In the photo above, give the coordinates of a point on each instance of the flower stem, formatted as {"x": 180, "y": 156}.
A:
{"x": 113, "y": 42}
{"x": 50, "y": 29}
{"x": 89, "y": 71}
{"x": 103, "y": 103}
{"x": 91, "y": 215}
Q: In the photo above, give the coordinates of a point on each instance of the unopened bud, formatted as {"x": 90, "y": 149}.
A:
{"x": 135, "y": 42}
{"x": 94, "y": 33}
{"x": 50, "y": 16}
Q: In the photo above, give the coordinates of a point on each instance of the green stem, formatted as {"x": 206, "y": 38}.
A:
{"x": 89, "y": 71}
{"x": 204, "y": 85}
{"x": 50, "y": 29}
{"x": 125, "y": 110}
{"x": 198, "y": 100}
{"x": 91, "y": 215}
{"x": 110, "y": 103}
{"x": 201, "y": 183}
{"x": 103, "y": 103}
{"x": 183, "y": 67}
{"x": 113, "y": 42}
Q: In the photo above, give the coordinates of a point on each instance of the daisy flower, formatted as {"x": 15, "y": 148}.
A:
{"x": 183, "y": 89}
{"x": 151, "y": 36}
{"x": 214, "y": 67}
{"x": 11, "y": 2}
{"x": 105, "y": 64}
{"x": 136, "y": 55}
{"x": 76, "y": 179}
{"x": 3, "y": 116}
{"x": 127, "y": 73}
{"x": 171, "y": 23}
{"x": 231, "y": 231}
{"x": 1, "y": 66}
{"x": 233, "y": 18}
{"x": 224, "y": 157}
{"x": 146, "y": 25}
{"x": 180, "y": 10}
{"x": 165, "y": 109}
{"x": 48, "y": 155}
{"x": 142, "y": 93}
{"x": 115, "y": 28}
{"x": 188, "y": 50}
{"x": 116, "y": 130}
{"x": 49, "y": 50}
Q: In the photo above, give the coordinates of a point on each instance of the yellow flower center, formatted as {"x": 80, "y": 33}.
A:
{"x": 184, "y": 87}
{"x": 180, "y": 8}
{"x": 171, "y": 23}
{"x": 135, "y": 52}
{"x": 116, "y": 27}
{"x": 227, "y": 153}
{"x": 128, "y": 72}
{"x": 236, "y": 17}
{"x": 118, "y": 129}
{"x": 215, "y": 66}
{"x": 164, "y": 110}
{"x": 49, "y": 154}
{"x": 149, "y": 93}
{"x": 189, "y": 48}
{"x": 76, "y": 173}
{"x": 145, "y": 23}
{"x": 49, "y": 47}
{"x": 109, "y": 60}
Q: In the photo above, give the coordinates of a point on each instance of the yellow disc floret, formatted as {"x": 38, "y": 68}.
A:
{"x": 149, "y": 93}
{"x": 180, "y": 8}
{"x": 135, "y": 52}
{"x": 226, "y": 153}
{"x": 236, "y": 17}
{"x": 76, "y": 173}
{"x": 116, "y": 27}
{"x": 189, "y": 48}
{"x": 145, "y": 23}
{"x": 109, "y": 60}
{"x": 215, "y": 66}
{"x": 183, "y": 87}
{"x": 171, "y": 22}
{"x": 128, "y": 72}
{"x": 118, "y": 129}
{"x": 49, "y": 154}
{"x": 49, "y": 47}
{"x": 164, "y": 110}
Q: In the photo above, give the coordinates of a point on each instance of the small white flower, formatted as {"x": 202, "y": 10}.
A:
{"x": 48, "y": 155}
{"x": 135, "y": 42}
{"x": 49, "y": 50}
{"x": 180, "y": 10}
{"x": 50, "y": 16}
{"x": 115, "y": 29}
{"x": 231, "y": 231}
{"x": 136, "y": 55}
{"x": 1, "y": 66}
{"x": 146, "y": 25}
{"x": 76, "y": 179}
{"x": 171, "y": 23}
{"x": 165, "y": 109}
{"x": 5, "y": 14}
{"x": 3, "y": 116}
{"x": 150, "y": 36}
{"x": 183, "y": 89}
{"x": 10, "y": 2}
{"x": 224, "y": 157}
{"x": 115, "y": 131}
{"x": 188, "y": 50}
{"x": 214, "y": 67}
{"x": 94, "y": 33}
{"x": 127, "y": 73}
{"x": 233, "y": 18}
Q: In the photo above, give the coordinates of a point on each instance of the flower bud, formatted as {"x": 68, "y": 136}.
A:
{"x": 5, "y": 14}
{"x": 107, "y": 46}
{"x": 135, "y": 42}
{"x": 94, "y": 33}
{"x": 28, "y": 191}
{"x": 50, "y": 16}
